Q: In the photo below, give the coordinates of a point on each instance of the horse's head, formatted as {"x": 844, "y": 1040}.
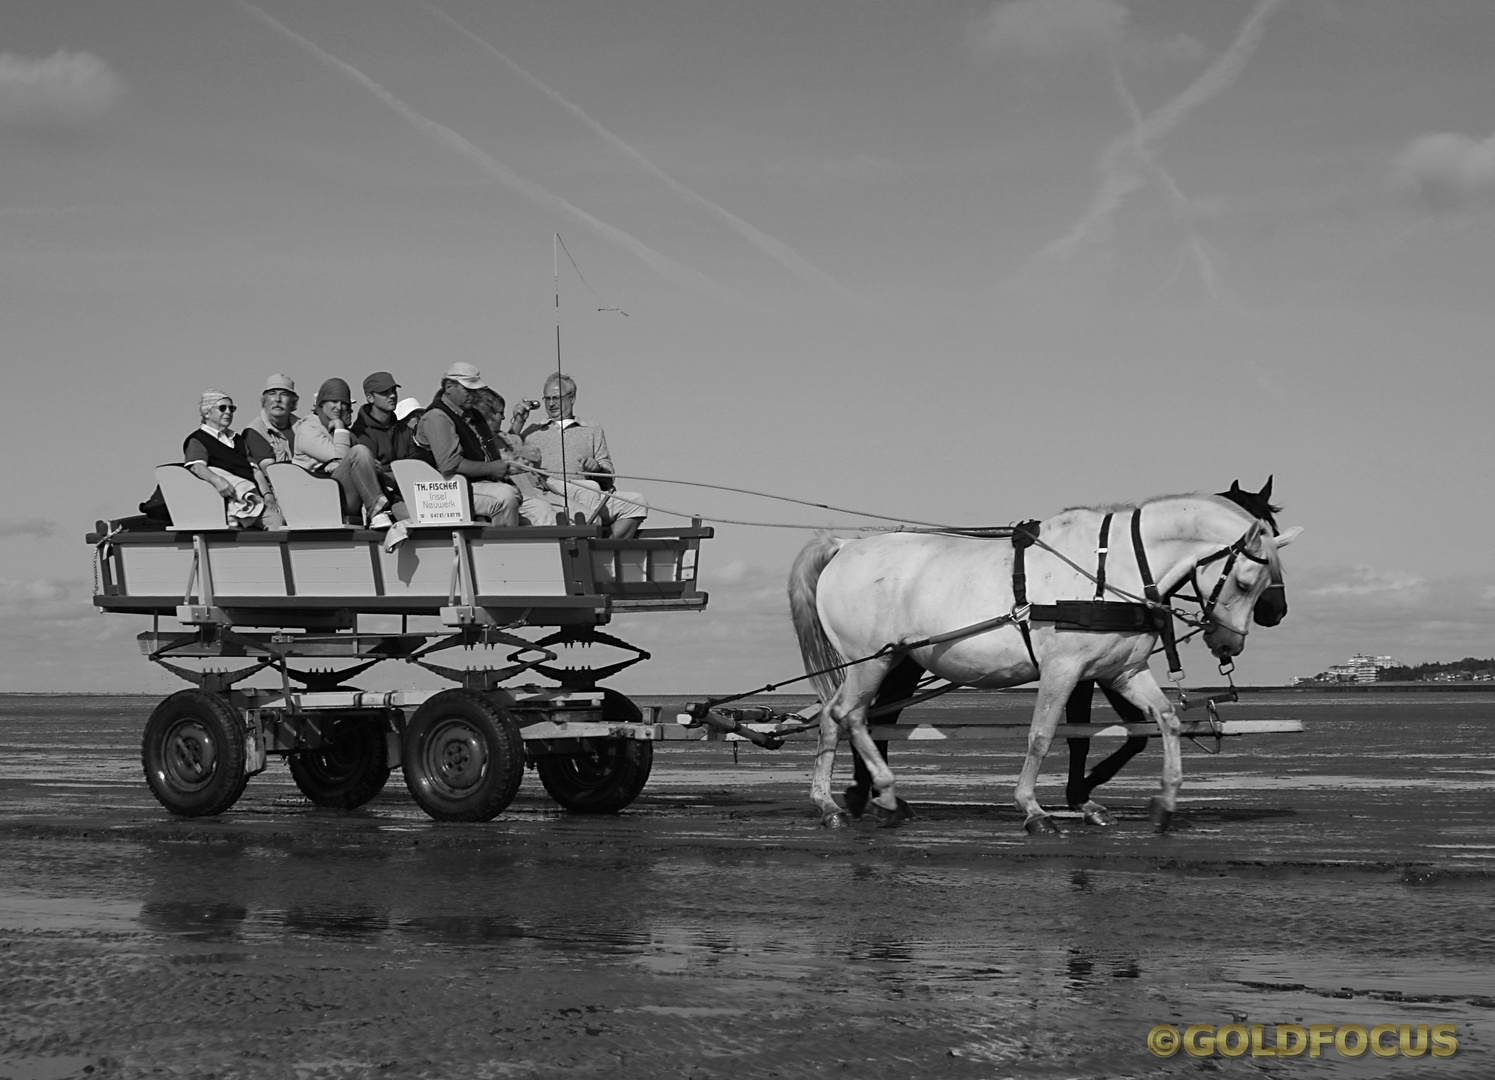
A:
{"x": 1271, "y": 609}
{"x": 1250, "y": 581}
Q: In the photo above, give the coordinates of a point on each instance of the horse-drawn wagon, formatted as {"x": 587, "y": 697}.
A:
{"x": 302, "y": 604}
{"x": 280, "y": 602}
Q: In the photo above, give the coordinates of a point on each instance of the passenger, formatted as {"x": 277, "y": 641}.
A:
{"x": 268, "y": 438}
{"x": 586, "y": 465}
{"x": 214, "y": 454}
{"x": 323, "y": 446}
{"x": 386, "y": 437}
{"x": 458, "y": 443}
{"x": 408, "y": 413}
{"x": 535, "y": 508}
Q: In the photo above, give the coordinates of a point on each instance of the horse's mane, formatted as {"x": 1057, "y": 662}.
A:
{"x": 1122, "y": 507}
{"x": 1273, "y": 561}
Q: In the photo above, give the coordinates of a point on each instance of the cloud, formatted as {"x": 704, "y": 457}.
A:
{"x": 1447, "y": 171}
{"x": 1124, "y": 164}
{"x": 60, "y": 92}
{"x": 825, "y": 171}
{"x": 1053, "y": 30}
{"x": 661, "y": 264}
{"x": 27, "y": 527}
{"x": 36, "y": 596}
{"x": 772, "y": 247}
{"x": 1364, "y": 581}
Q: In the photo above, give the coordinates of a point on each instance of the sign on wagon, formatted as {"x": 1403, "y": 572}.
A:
{"x": 438, "y": 502}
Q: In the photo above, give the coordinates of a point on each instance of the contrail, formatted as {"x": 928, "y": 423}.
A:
{"x": 1180, "y": 200}
{"x": 662, "y": 265}
{"x": 1119, "y": 182}
{"x": 775, "y": 249}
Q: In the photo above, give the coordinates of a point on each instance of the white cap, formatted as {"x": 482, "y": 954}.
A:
{"x": 406, "y": 407}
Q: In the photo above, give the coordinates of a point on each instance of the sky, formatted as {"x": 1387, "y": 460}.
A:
{"x": 946, "y": 262}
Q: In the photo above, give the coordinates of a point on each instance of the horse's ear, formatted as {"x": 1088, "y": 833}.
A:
{"x": 1235, "y": 488}
{"x": 1285, "y": 538}
{"x": 1266, "y": 492}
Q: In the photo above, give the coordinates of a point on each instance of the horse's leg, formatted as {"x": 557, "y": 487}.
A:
{"x": 898, "y": 684}
{"x": 1077, "y": 711}
{"x": 1142, "y": 690}
{"x": 1054, "y": 687}
{"x": 845, "y": 711}
{"x": 831, "y": 815}
{"x": 1080, "y": 784}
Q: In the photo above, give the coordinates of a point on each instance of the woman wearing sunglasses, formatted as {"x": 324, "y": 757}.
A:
{"x": 214, "y": 453}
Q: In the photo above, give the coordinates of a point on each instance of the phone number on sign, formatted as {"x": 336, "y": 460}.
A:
{"x": 1292, "y": 1040}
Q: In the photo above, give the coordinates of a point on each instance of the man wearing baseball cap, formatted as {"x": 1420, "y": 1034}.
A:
{"x": 376, "y": 425}
{"x": 458, "y": 443}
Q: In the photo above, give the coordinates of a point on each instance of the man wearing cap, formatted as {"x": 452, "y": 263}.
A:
{"x": 458, "y": 443}
{"x": 577, "y": 463}
{"x": 267, "y": 438}
{"x": 377, "y": 425}
{"x": 323, "y": 445}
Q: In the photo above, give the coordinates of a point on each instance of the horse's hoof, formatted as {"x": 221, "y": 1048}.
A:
{"x": 1159, "y": 815}
{"x": 891, "y": 819}
{"x": 1040, "y": 824}
{"x": 856, "y": 800}
{"x": 1095, "y": 814}
{"x": 838, "y": 820}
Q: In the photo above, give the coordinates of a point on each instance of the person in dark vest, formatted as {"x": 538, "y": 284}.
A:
{"x": 216, "y": 454}
{"x": 457, "y": 442}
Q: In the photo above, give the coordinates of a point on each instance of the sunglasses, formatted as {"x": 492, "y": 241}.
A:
{"x": 226, "y": 408}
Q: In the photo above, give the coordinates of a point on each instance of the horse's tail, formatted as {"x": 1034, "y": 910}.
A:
{"x": 814, "y": 645}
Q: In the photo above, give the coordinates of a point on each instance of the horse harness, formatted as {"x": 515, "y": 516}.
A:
{"x": 1111, "y": 616}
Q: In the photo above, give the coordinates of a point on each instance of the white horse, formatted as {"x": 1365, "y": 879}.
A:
{"x": 903, "y": 594}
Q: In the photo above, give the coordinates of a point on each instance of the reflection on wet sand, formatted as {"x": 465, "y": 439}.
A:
{"x": 714, "y": 931}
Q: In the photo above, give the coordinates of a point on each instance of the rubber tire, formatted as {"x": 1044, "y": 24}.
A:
{"x": 349, "y": 770}
{"x": 194, "y": 754}
{"x": 463, "y": 757}
{"x": 600, "y": 781}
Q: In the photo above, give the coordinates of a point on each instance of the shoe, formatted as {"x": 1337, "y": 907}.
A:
{"x": 382, "y": 520}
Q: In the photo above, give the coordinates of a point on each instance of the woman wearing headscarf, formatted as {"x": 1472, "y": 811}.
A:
{"x": 214, "y": 453}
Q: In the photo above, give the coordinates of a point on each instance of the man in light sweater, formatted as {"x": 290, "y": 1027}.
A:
{"x": 578, "y": 467}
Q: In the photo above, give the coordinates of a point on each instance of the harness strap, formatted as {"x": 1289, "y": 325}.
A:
{"x": 1163, "y": 619}
{"x": 1024, "y": 536}
{"x": 1102, "y": 547}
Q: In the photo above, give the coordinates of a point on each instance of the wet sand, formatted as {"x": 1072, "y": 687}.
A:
{"x": 1343, "y": 875}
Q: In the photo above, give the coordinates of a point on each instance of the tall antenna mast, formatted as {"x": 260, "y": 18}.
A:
{"x": 555, "y": 256}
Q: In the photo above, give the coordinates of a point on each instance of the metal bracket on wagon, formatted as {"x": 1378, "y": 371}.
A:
{"x": 584, "y": 678}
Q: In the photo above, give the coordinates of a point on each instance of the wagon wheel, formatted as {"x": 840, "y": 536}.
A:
{"x": 602, "y": 780}
{"x": 349, "y": 769}
{"x": 464, "y": 757}
{"x": 194, "y": 754}
{"x": 605, "y": 778}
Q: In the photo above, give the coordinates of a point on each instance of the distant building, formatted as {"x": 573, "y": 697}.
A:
{"x": 1361, "y": 668}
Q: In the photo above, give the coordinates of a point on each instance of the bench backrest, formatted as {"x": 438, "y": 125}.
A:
{"x": 192, "y": 502}
{"x": 306, "y": 501}
{"x": 426, "y": 506}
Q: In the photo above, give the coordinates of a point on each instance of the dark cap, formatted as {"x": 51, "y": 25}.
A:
{"x": 334, "y": 390}
{"x": 379, "y": 382}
